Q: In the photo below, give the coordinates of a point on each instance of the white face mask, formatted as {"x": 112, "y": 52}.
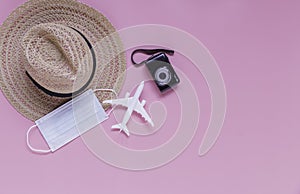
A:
{"x": 69, "y": 121}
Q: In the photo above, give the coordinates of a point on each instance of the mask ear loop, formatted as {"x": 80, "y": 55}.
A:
{"x": 108, "y": 90}
{"x": 30, "y": 147}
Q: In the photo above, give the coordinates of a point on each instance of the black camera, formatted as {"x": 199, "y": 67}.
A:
{"x": 162, "y": 72}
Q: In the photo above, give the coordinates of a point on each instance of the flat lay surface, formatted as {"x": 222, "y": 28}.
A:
{"x": 256, "y": 45}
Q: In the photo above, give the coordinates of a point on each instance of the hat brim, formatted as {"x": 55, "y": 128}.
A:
{"x": 26, "y": 98}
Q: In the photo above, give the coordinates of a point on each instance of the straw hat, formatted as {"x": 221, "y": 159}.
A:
{"x": 51, "y": 50}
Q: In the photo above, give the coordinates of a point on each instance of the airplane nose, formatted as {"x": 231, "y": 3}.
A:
{"x": 142, "y": 83}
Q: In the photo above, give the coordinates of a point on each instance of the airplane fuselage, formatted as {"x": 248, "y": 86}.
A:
{"x": 134, "y": 102}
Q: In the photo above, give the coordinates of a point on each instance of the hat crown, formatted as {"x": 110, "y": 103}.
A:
{"x": 59, "y": 58}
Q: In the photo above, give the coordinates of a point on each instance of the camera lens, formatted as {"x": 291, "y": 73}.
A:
{"x": 163, "y": 76}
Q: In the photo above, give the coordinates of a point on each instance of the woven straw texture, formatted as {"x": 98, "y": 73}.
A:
{"x": 22, "y": 49}
{"x": 58, "y": 57}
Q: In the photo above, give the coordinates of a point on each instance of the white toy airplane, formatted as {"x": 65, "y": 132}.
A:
{"x": 132, "y": 104}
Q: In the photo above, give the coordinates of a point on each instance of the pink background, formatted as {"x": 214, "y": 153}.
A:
{"x": 256, "y": 44}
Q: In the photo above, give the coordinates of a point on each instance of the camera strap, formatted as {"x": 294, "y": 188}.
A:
{"x": 149, "y": 52}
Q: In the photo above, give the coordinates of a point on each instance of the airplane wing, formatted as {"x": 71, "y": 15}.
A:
{"x": 123, "y": 101}
{"x": 140, "y": 109}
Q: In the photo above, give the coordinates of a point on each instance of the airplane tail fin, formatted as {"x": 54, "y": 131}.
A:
{"x": 121, "y": 127}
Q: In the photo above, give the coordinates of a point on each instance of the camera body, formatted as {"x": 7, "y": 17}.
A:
{"x": 162, "y": 72}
